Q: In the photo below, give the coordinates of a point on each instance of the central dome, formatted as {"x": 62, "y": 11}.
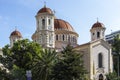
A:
{"x": 62, "y": 25}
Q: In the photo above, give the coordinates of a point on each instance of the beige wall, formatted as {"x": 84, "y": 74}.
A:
{"x": 85, "y": 50}
{"x": 90, "y": 53}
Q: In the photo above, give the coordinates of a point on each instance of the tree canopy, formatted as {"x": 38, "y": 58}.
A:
{"x": 116, "y": 55}
{"x": 116, "y": 45}
{"x": 19, "y": 58}
{"x": 45, "y": 64}
{"x": 69, "y": 66}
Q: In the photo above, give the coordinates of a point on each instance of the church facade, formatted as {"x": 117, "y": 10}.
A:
{"x": 57, "y": 33}
{"x": 97, "y": 55}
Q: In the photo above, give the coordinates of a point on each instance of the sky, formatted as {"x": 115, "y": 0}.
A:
{"x": 81, "y": 14}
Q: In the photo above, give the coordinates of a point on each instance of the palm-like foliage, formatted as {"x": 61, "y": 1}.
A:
{"x": 43, "y": 65}
{"x": 70, "y": 66}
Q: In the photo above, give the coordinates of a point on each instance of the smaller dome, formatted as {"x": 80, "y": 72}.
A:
{"x": 98, "y": 24}
{"x": 45, "y": 10}
{"x": 16, "y": 33}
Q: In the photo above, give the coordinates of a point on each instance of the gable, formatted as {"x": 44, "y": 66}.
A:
{"x": 102, "y": 43}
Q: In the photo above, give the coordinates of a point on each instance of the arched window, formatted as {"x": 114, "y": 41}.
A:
{"x": 98, "y": 34}
{"x": 69, "y": 38}
{"x": 100, "y": 60}
{"x": 49, "y": 21}
{"x": 56, "y": 37}
{"x": 43, "y": 22}
{"x": 63, "y": 37}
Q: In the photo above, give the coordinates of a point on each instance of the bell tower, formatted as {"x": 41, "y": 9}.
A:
{"x": 44, "y": 34}
{"x": 97, "y": 31}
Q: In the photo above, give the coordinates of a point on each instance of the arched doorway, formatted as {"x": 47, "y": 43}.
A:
{"x": 100, "y": 77}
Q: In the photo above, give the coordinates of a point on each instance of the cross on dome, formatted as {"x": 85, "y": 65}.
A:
{"x": 44, "y": 3}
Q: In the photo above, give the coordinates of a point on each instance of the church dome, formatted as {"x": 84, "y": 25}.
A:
{"x": 16, "y": 33}
{"x": 62, "y": 25}
{"x": 45, "y": 10}
{"x": 98, "y": 24}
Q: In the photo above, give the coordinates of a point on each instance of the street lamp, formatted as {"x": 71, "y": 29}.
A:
{"x": 29, "y": 74}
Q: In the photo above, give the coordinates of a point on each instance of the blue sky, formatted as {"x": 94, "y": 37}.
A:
{"x": 81, "y": 14}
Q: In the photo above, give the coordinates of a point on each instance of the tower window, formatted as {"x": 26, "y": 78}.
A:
{"x": 43, "y": 22}
{"x": 100, "y": 60}
{"x": 56, "y": 37}
{"x": 49, "y": 21}
{"x": 98, "y": 34}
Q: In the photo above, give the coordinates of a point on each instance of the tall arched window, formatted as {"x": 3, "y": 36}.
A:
{"x": 49, "y": 21}
{"x": 69, "y": 38}
{"x": 43, "y": 22}
{"x": 98, "y": 34}
{"x": 56, "y": 37}
{"x": 100, "y": 60}
{"x": 63, "y": 37}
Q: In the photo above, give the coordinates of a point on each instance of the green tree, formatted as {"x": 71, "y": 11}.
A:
{"x": 19, "y": 58}
{"x": 43, "y": 64}
{"x": 24, "y": 51}
{"x": 112, "y": 76}
{"x": 69, "y": 66}
{"x": 18, "y": 73}
{"x": 116, "y": 55}
{"x": 4, "y": 75}
{"x": 7, "y": 59}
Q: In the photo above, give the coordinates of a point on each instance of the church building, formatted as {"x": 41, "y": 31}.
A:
{"x": 55, "y": 33}
{"x": 97, "y": 55}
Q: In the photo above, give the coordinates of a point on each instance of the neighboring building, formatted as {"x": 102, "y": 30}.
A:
{"x": 57, "y": 33}
{"x": 97, "y": 54}
{"x": 110, "y": 37}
